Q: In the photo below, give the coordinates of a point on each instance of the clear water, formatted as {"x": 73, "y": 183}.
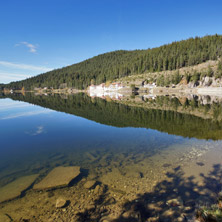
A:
{"x": 31, "y": 135}
{"x": 100, "y": 137}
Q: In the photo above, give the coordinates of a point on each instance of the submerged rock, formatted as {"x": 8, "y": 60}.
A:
{"x": 89, "y": 184}
{"x": 153, "y": 219}
{"x": 97, "y": 189}
{"x": 60, "y": 202}
{"x": 58, "y": 177}
{"x": 175, "y": 202}
{"x": 4, "y": 218}
{"x": 15, "y": 188}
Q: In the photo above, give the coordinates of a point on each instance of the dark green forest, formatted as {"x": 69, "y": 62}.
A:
{"x": 112, "y": 65}
{"x": 119, "y": 115}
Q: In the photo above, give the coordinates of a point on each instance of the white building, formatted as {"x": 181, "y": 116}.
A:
{"x": 153, "y": 85}
{"x": 102, "y": 87}
{"x": 104, "y": 91}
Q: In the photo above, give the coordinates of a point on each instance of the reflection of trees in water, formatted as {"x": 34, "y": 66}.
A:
{"x": 205, "y": 104}
{"x": 155, "y": 204}
{"x": 119, "y": 115}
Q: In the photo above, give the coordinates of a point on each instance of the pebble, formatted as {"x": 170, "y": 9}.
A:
{"x": 153, "y": 219}
{"x": 175, "y": 202}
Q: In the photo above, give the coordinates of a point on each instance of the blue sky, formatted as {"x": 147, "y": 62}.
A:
{"x": 40, "y": 35}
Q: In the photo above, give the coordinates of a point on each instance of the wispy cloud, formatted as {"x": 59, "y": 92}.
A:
{"x": 6, "y": 105}
{"x": 37, "y": 131}
{"x": 24, "y": 66}
{"x": 24, "y": 114}
{"x": 32, "y": 48}
{"x": 12, "y": 76}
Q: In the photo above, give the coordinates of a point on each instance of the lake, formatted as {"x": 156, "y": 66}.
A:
{"x": 150, "y": 157}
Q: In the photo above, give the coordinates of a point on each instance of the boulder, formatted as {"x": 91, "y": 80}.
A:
{"x": 191, "y": 85}
{"x": 183, "y": 100}
{"x": 183, "y": 81}
{"x": 58, "y": 177}
{"x": 207, "y": 81}
{"x": 15, "y": 188}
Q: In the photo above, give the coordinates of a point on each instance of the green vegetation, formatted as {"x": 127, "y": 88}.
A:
{"x": 117, "y": 64}
{"x": 120, "y": 115}
{"x": 133, "y": 87}
{"x": 190, "y": 76}
{"x": 212, "y": 213}
{"x": 169, "y": 80}
{"x": 195, "y": 76}
{"x": 218, "y": 73}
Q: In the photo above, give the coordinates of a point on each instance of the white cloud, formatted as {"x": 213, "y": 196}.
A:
{"x": 24, "y": 114}
{"x": 6, "y": 76}
{"x": 24, "y": 66}
{"x": 39, "y": 130}
{"x": 32, "y": 48}
{"x": 11, "y": 77}
{"x": 6, "y": 105}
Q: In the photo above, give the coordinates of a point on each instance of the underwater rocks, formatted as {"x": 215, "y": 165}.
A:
{"x": 175, "y": 202}
{"x": 4, "y": 218}
{"x": 58, "y": 177}
{"x": 89, "y": 184}
{"x": 15, "y": 188}
{"x": 61, "y": 202}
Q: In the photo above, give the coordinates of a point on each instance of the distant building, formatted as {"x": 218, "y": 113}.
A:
{"x": 104, "y": 90}
{"x": 104, "y": 87}
{"x": 150, "y": 85}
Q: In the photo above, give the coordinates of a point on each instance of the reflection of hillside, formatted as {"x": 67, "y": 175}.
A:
{"x": 121, "y": 115}
{"x": 206, "y": 107}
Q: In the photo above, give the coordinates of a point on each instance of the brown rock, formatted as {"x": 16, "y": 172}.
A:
{"x": 60, "y": 202}
{"x": 126, "y": 214}
{"x": 4, "y": 218}
{"x": 15, "y": 188}
{"x": 175, "y": 202}
{"x": 97, "y": 189}
{"x": 89, "y": 184}
{"x": 58, "y": 177}
{"x": 183, "y": 82}
{"x": 153, "y": 207}
{"x": 153, "y": 219}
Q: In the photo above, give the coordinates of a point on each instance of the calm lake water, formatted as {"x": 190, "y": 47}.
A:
{"x": 128, "y": 149}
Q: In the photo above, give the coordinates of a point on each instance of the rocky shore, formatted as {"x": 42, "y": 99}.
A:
{"x": 166, "y": 187}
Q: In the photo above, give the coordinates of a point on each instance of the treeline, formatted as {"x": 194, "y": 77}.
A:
{"x": 194, "y": 104}
{"x": 119, "y": 115}
{"x": 110, "y": 66}
{"x": 190, "y": 76}
{"x": 173, "y": 79}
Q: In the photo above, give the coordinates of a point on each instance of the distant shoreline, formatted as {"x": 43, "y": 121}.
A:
{"x": 211, "y": 91}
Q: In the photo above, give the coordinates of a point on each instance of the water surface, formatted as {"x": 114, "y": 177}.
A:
{"x": 129, "y": 149}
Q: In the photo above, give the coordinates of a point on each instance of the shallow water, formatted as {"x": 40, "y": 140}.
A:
{"x": 119, "y": 146}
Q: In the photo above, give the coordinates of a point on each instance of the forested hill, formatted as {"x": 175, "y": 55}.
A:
{"x": 110, "y": 66}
